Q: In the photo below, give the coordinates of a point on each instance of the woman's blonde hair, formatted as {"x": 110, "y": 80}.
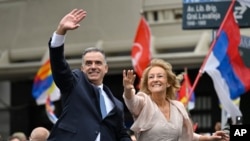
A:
{"x": 171, "y": 78}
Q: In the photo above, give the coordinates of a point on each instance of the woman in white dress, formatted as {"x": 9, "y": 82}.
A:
{"x": 157, "y": 115}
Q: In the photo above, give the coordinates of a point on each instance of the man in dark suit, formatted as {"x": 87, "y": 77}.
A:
{"x": 81, "y": 118}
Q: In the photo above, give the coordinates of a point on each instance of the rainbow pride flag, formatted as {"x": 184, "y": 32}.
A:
{"x": 44, "y": 86}
{"x": 45, "y": 91}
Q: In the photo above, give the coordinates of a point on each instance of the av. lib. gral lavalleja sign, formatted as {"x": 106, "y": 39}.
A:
{"x": 208, "y": 14}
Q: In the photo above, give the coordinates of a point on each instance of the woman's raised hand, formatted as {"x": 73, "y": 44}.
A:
{"x": 128, "y": 82}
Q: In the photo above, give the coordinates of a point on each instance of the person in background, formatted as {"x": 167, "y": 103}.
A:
{"x": 82, "y": 92}
{"x": 14, "y": 138}
{"x": 39, "y": 134}
{"x": 217, "y": 126}
{"x": 20, "y": 135}
{"x": 156, "y": 112}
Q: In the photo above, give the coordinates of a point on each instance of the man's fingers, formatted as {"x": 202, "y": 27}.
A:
{"x": 73, "y": 11}
{"x": 80, "y": 15}
{"x": 78, "y": 12}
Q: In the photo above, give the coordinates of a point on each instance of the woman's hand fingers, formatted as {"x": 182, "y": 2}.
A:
{"x": 128, "y": 78}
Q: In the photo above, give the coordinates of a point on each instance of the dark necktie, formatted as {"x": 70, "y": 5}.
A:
{"x": 102, "y": 103}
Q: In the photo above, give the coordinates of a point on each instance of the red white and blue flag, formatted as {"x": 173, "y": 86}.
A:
{"x": 226, "y": 67}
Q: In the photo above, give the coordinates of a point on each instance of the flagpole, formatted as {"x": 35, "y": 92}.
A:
{"x": 142, "y": 4}
{"x": 211, "y": 48}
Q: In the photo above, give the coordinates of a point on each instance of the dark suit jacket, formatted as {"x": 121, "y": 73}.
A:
{"x": 81, "y": 118}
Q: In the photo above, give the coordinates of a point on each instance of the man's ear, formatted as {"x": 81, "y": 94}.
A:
{"x": 107, "y": 68}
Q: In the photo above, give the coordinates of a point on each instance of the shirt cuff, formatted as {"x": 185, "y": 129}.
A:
{"x": 57, "y": 40}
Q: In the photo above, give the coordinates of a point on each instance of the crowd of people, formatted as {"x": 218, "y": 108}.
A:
{"x": 37, "y": 134}
{"x": 92, "y": 113}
